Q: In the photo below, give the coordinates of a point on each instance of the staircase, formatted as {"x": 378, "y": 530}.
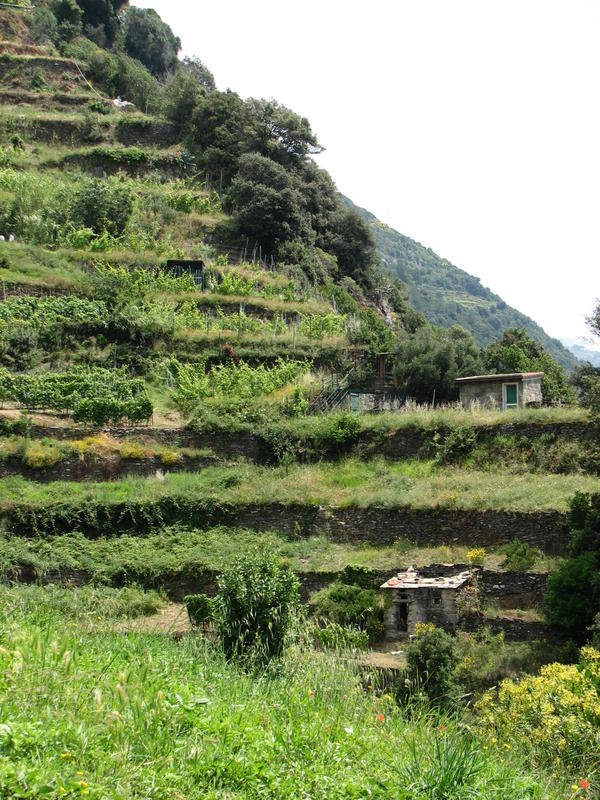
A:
{"x": 331, "y": 396}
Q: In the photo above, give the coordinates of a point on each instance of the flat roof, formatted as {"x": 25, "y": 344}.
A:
{"x": 506, "y": 376}
{"x": 412, "y": 580}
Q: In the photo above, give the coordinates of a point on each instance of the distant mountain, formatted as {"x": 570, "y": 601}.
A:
{"x": 585, "y": 353}
{"x": 449, "y": 295}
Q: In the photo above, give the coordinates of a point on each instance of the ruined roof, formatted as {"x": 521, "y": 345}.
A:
{"x": 507, "y": 376}
{"x": 412, "y": 580}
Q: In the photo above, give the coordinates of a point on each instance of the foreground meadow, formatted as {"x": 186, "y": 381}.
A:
{"x": 90, "y": 712}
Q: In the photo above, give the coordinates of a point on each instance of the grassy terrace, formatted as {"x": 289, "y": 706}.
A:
{"x": 416, "y": 484}
{"x": 157, "y": 557}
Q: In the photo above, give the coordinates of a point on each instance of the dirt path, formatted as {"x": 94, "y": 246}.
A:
{"x": 171, "y": 620}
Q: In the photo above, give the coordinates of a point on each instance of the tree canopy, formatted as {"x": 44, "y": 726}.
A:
{"x": 432, "y": 358}
{"x": 150, "y": 40}
{"x": 518, "y": 352}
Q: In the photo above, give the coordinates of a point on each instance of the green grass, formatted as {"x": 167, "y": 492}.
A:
{"x": 154, "y": 559}
{"x": 89, "y": 712}
{"x": 410, "y": 484}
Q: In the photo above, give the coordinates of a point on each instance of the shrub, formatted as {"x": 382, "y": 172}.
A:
{"x": 255, "y": 607}
{"x": 520, "y": 556}
{"x": 350, "y": 605}
{"x": 555, "y": 714}
{"x": 573, "y": 595}
{"x": 199, "y": 608}
{"x": 455, "y": 446}
{"x": 359, "y": 576}
{"x": 432, "y": 663}
{"x": 133, "y": 450}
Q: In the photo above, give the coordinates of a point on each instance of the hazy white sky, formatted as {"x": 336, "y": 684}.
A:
{"x": 472, "y": 126}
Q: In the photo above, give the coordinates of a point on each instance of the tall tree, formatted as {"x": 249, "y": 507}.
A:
{"x": 150, "y": 40}
{"x": 518, "y": 352}
{"x": 100, "y": 19}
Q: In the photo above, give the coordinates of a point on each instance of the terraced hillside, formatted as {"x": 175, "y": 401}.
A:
{"x": 155, "y": 426}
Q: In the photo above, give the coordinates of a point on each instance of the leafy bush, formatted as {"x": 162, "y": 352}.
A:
{"x": 199, "y": 608}
{"x": 455, "y": 445}
{"x": 573, "y": 595}
{"x": 350, "y": 606}
{"x": 554, "y": 715}
{"x": 520, "y": 556}
{"x": 102, "y": 205}
{"x": 255, "y": 607}
{"x": 432, "y": 662}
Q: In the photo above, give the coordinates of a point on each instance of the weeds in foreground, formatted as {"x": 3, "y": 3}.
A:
{"x": 89, "y": 712}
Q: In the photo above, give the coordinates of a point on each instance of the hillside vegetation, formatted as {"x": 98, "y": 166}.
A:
{"x": 447, "y": 295}
{"x": 190, "y": 555}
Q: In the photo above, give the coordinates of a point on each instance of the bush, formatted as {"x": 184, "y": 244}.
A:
{"x": 520, "y": 556}
{"x": 199, "y": 608}
{"x": 573, "y": 595}
{"x": 455, "y": 446}
{"x": 350, "y": 606}
{"x": 255, "y": 607}
{"x": 554, "y": 715}
{"x": 432, "y": 663}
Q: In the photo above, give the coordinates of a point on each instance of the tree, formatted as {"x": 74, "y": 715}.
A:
{"x": 280, "y": 133}
{"x": 518, "y": 352}
{"x": 349, "y": 239}
{"x": 150, "y": 40}
{"x": 266, "y": 206}
{"x": 68, "y": 16}
{"x": 573, "y": 596}
{"x": 197, "y": 70}
{"x": 219, "y": 132}
{"x": 100, "y": 19}
{"x": 432, "y": 358}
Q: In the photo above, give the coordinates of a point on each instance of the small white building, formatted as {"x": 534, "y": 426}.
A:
{"x": 508, "y": 390}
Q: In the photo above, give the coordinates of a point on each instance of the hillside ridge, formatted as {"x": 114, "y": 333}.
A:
{"x": 449, "y": 295}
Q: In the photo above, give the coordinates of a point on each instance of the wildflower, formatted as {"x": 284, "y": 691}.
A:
{"x": 345, "y": 697}
{"x": 311, "y": 693}
{"x": 380, "y": 717}
{"x": 83, "y": 784}
{"x": 584, "y": 784}
{"x": 65, "y": 754}
{"x": 442, "y": 727}
{"x": 507, "y": 746}
{"x": 79, "y": 772}
{"x": 574, "y": 787}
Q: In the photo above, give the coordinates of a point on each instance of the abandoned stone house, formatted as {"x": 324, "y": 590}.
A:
{"x": 422, "y": 599}
{"x": 510, "y": 390}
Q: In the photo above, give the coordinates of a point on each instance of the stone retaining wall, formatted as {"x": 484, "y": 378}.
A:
{"x": 376, "y": 525}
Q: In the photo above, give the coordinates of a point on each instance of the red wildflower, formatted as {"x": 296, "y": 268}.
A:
{"x": 311, "y": 693}
{"x": 584, "y": 784}
{"x": 380, "y": 717}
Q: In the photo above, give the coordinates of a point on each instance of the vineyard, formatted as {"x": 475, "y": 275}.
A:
{"x": 93, "y": 395}
{"x": 193, "y": 382}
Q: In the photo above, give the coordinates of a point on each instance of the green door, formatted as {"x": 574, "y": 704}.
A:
{"x": 511, "y": 395}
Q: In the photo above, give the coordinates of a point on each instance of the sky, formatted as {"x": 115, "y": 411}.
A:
{"x": 472, "y": 126}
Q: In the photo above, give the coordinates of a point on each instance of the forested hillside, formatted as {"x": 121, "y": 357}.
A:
{"x": 448, "y": 295}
